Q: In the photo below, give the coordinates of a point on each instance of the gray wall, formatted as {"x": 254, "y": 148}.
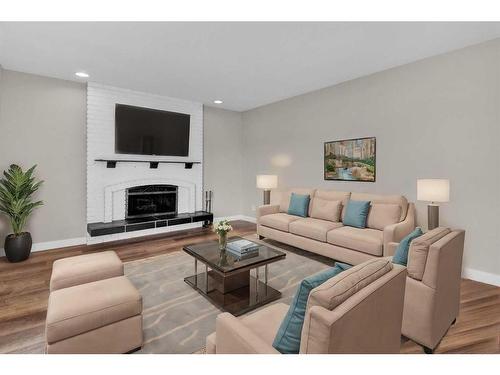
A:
{"x": 436, "y": 118}
{"x": 42, "y": 121}
{"x": 223, "y": 158}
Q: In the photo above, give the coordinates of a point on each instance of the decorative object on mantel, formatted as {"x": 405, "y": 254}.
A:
{"x": 267, "y": 182}
{"x": 16, "y": 190}
{"x": 222, "y": 228}
{"x": 350, "y": 160}
{"x": 434, "y": 191}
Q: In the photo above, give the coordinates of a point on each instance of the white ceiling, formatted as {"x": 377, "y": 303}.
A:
{"x": 244, "y": 64}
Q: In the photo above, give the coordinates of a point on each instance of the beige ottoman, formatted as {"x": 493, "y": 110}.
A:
{"x": 100, "y": 317}
{"x": 85, "y": 269}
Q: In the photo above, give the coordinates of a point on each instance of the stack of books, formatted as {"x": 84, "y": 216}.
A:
{"x": 243, "y": 249}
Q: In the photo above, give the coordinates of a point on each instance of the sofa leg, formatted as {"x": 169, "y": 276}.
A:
{"x": 134, "y": 350}
{"x": 454, "y": 321}
{"x": 428, "y": 350}
{"x": 261, "y": 237}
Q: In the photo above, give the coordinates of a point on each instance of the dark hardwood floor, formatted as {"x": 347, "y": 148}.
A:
{"x": 24, "y": 293}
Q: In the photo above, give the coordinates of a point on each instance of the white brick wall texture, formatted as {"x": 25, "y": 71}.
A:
{"x": 106, "y": 186}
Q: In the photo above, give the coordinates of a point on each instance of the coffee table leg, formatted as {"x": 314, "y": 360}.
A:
{"x": 257, "y": 282}
{"x": 265, "y": 274}
{"x": 206, "y": 279}
{"x": 196, "y": 272}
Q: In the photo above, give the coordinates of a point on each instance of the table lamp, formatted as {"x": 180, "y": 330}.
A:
{"x": 267, "y": 182}
{"x": 434, "y": 191}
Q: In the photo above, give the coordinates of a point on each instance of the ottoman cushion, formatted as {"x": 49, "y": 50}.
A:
{"x": 85, "y": 269}
{"x": 89, "y": 306}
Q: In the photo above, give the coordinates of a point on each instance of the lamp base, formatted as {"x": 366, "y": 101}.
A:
{"x": 432, "y": 216}
{"x": 267, "y": 196}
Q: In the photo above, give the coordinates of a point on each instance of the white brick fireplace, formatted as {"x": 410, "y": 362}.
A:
{"x": 106, "y": 187}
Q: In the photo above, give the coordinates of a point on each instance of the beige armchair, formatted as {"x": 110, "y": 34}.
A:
{"x": 358, "y": 311}
{"x": 432, "y": 295}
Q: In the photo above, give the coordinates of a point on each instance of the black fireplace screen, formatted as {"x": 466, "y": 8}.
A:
{"x": 151, "y": 200}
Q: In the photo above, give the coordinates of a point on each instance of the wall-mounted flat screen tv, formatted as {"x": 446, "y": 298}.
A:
{"x": 146, "y": 131}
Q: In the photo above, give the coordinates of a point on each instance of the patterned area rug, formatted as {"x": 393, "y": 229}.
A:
{"x": 177, "y": 319}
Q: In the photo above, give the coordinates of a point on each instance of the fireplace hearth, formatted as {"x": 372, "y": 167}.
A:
{"x": 151, "y": 200}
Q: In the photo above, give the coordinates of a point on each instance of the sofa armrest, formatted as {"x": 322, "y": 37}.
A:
{"x": 396, "y": 232}
{"x": 267, "y": 209}
{"x": 233, "y": 337}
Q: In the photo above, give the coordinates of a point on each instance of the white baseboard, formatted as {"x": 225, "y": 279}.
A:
{"x": 235, "y": 217}
{"x": 41, "y": 246}
{"x": 481, "y": 276}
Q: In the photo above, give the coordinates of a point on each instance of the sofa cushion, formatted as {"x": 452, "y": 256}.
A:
{"x": 369, "y": 241}
{"x": 299, "y": 205}
{"x": 419, "y": 248}
{"x": 401, "y": 252}
{"x": 400, "y": 200}
{"x": 313, "y": 228}
{"x": 382, "y": 215}
{"x": 338, "y": 289}
{"x": 356, "y": 213}
{"x": 325, "y": 209}
{"x": 333, "y": 195}
{"x": 285, "y": 196}
{"x": 278, "y": 221}
{"x": 86, "y": 307}
{"x": 266, "y": 322}
{"x": 287, "y": 339}
{"x": 83, "y": 269}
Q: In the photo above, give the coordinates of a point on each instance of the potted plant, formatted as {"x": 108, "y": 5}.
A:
{"x": 16, "y": 190}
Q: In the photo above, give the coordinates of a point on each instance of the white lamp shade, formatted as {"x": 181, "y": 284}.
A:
{"x": 267, "y": 181}
{"x": 433, "y": 190}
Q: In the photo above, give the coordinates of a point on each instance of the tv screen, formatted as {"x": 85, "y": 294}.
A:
{"x": 146, "y": 131}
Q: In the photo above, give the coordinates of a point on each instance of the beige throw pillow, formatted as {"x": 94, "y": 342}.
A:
{"x": 382, "y": 215}
{"x": 419, "y": 249}
{"x": 326, "y": 209}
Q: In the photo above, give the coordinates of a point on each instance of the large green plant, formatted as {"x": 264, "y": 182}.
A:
{"x": 16, "y": 190}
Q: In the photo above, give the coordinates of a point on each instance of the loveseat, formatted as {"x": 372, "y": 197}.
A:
{"x": 390, "y": 219}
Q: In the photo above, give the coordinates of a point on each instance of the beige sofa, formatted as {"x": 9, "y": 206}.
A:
{"x": 390, "y": 219}
{"x": 358, "y": 311}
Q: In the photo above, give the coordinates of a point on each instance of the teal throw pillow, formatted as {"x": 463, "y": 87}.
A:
{"x": 287, "y": 340}
{"x": 356, "y": 213}
{"x": 299, "y": 205}
{"x": 401, "y": 253}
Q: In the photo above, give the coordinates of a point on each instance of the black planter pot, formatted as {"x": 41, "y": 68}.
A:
{"x": 18, "y": 248}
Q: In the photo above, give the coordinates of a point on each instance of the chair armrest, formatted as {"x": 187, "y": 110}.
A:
{"x": 233, "y": 337}
{"x": 267, "y": 209}
{"x": 396, "y": 232}
{"x": 443, "y": 266}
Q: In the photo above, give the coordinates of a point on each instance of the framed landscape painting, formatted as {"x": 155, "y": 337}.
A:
{"x": 350, "y": 160}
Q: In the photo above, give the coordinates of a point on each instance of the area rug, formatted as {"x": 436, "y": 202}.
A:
{"x": 177, "y": 319}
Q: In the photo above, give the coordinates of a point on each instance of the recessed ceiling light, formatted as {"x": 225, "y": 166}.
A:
{"x": 218, "y": 101}
{"x": 82, "y": 75}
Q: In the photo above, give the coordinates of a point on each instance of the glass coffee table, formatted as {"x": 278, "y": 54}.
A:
{"x": 227, "y": 281}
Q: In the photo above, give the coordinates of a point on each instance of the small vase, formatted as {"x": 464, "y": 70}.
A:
{"x": 223, "y": 258}
{"x": 222, "y": 241}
